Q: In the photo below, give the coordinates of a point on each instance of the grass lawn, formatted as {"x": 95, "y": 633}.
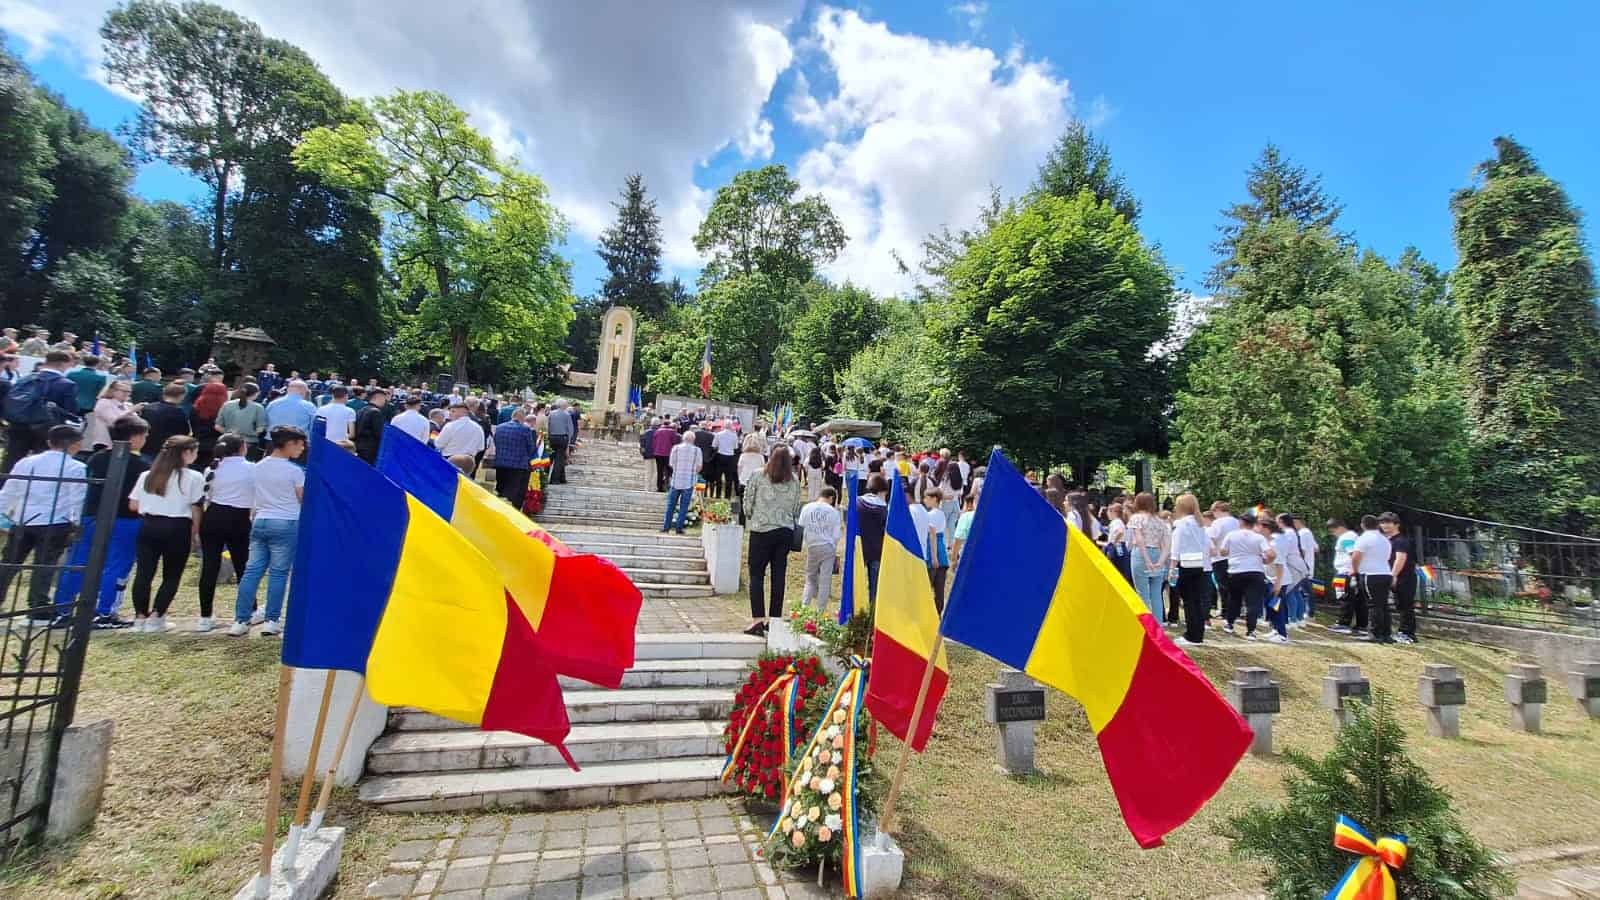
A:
{"x": 194, "y": 716}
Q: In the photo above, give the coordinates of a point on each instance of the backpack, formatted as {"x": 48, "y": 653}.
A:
{"x": 25, "y": 403}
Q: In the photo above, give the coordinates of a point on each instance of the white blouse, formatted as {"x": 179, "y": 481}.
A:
{"x": 184, "y": 490}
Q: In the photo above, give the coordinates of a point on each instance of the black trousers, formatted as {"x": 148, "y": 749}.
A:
{"x": 1220, "y": 570}
{"x": 165, "y": 539}
{"x": 768, "y": 548}
{"x": 1405, "y": 605}
{"x": 511, "y": 484}
{"x": 1250, "y": 590}
{"x": 46, "y": 543}
{"x": 1376, "y": 588}
{"x": 727, "y": 475}
{"x": 22, "y": 440}
{"x": 661, "y": 474}
{"x": 939, "y": 574}
{"x": 558, "y": 458}
{"x": 1352, "y": 605}
{"x": 221, "y": 528}
{"x": 1194, "y": 588}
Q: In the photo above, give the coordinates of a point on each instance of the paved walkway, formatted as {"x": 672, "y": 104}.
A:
{"x": 705, "y": 850}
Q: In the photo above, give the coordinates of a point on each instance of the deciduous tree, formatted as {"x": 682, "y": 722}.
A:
{"x": 838, "y": 321}
{"x": 758, "y": 225}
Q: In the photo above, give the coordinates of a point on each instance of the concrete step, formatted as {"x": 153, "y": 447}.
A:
{"x": 705, "y": 646}
{"x": 455, "y": 751}
{"x": 680, "y": 562}
{"x": 628, "y": 537}
{"x": 674, "y": 673}
{"x": 547, "y": 787}
{"x": 595, "y": 706}
{"x": 640, "y": 512}
{"x": 598, "y": 518}
{"x": 665, "y": 576}
{"x": 651, "y": 591}
{"x": 598, "y": 492}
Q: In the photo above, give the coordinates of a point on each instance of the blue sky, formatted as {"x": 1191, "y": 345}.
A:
{"x": 918, "y": 107}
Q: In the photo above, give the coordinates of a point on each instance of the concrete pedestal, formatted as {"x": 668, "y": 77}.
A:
{"x": 1342, "y": 685}
{"x": 882, "y": 864}
{"x": 1442, "y": 693}
{"x": 723, "y": 545}
{"x": 1526, "y": 692}
{"x": 305, "y": 698}
{"x": 1257, "y": 698}
{"x": 1014, "y": 724}
{"x": 81, "y": 765}
{"x": 316, "y": 865}
{"x": 1583, "y": 682}
{"x": 782, "y": 638}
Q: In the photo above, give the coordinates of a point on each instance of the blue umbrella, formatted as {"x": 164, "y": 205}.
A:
{"x": 860, "y": 442}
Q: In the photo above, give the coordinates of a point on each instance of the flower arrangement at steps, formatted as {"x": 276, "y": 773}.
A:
{"x": 834, "y": 789}
{"x": 781, "y": 699}
{"x": 854, "y": 638}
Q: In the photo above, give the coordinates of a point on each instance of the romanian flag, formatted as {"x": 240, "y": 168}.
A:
{"x": 705, "y": 370}
{"x": 906, "y": 628}
{"x": 383, "y": 586}
{"x": 1039, "y": 596}
{"x": 582, "y": 606}
{"x": 854, "y": 583}
{"x": 1426, "y": 575}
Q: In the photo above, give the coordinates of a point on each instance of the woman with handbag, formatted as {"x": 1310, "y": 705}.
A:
{"x": 772, "y": 506}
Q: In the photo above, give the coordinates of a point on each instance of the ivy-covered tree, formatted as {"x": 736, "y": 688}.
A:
{"x": 1045, "y": 343}
{"x": 837, "y": 322}
{"x": 1526, "y": 289}
{"x": 469, "y": 233}
{"x": 1080, "y": 162}
{"x": 631, "y": 249}
{"x": 758, "y": 225}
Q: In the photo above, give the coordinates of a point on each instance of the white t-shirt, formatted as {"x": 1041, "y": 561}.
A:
{"x": 1308, "y": 549}
{"x": 821, "y": 523}
{"x": 1374, "y": 549}
{"x": 341, "y": 420}
{"x": 184, "y": 490}
{"x": 937, "y": 522}
{"x": 463, "y": 436}
{"x": 1076, "y": 522}
{"x": 1117, "y": 532}
{"x": 1219, "y": 529}
{"x": 725, "y": 442}
{"x": 1341, "y": 551}
{"x": 233, "y": 483}
{"x": 1246, "y": 551}
{"x": 414, "y": 424}
{"x": 1287, "y": 545}
{"x": 276, "y": 482}
{"x": 919, "y": 517}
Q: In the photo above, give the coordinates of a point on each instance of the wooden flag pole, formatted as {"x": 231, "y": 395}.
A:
{"x": 887, "y": 823}
{"x": 338, "y": 754}
{"x": 274, "y": 784}
{"x": 291, "y": 846}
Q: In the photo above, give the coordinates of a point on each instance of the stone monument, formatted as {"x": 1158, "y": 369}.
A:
{"x": 613, "y": 376}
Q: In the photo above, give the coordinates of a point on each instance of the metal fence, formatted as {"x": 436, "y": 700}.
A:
{"x": 1507, "y": 574}
{"x": 42, "y": 644}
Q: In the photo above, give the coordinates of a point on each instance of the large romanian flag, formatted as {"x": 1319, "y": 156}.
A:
{"x": 1039, "y": 596}
{"x": 853, "y": 588}
{"x": 383, "y": 586}
{"x": 582, "y": 606}
{"x": 906, "y": 628}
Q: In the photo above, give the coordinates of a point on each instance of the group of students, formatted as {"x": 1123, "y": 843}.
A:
{"x": 165, "y": 507}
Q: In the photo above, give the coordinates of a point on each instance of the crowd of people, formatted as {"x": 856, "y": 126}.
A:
{"x": 210, "y": 468}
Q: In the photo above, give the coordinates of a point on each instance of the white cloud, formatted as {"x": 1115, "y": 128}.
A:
{"x": 583, "y": 93}
{"x": 915, "y": 136}
{"x": 973, "y": 12}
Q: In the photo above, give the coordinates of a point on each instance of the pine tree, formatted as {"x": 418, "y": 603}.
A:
{"x": 1080, "y": 162}
{"x": 1368, "y": 777}
{"x": 1526, "y": 290}
{"x": 632, "y": 252}
{"x": 1279, "y": 190}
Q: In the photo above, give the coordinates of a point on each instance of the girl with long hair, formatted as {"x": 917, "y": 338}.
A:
{"x": 1191, "y": 554}
{"x": 166, "y": 499}
{"x": 772, "y": 506}
{"x": 225, "y": 519}
{"x": 1149, "y": 545}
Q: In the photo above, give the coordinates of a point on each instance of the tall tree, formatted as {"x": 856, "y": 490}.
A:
{"x": 631, "y": 249}
{"x": 837, "y": 323}
{"x": 758, "y": 225}
{"x": 1044, "y": 345}
{"x": 1526, "y": 290}
{"x": 470, "y": 233}
{"x": 1279, "y": 191}
{"x": 25, "y": 161}
{"x": 1080, "y": 162}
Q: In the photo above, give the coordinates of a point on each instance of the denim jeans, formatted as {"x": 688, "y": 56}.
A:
{"x": 1148, "y": 584}
{"x": 1295, "y": 602}
{"x": 680, "y": 498}
{"x": 271, "y": 552}
{"x": 119, "y": 563}
{"x": 1308, "y": 599}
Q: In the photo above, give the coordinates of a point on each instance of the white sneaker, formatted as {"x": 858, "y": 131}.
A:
{"x": 1251, "y": 636}
{"x": 158, "y": 624}
{"x": 1183, "y": 642}
{"x": 141, "y": 625}
{"x": 204, "y": 625}
{"x": 270, "y": 628}
{"x": 257, "y": 617}
{"x": 239, "y": 629}
{"x": 1278, "y": 638}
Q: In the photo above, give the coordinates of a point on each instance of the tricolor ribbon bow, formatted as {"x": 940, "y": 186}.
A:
{"x": 1370, "y": 877}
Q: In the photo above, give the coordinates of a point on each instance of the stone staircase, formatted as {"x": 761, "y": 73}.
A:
{"x": 657, "y": 737}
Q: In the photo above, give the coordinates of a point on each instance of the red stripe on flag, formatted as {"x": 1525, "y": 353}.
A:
{"x": 1172, "y": 742}
{"x": 592, "y": 609}
{"x": 892, "y": 685}
{"x": 526, "y": 697}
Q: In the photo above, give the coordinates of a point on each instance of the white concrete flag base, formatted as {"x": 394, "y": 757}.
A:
{"x": 308, "y": 877}
{"x": 882, "y": 864}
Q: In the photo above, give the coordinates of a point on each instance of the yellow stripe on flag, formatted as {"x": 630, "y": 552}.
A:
{"x": 1091, "y": 638}
{"x": 524, "y": 564}
{"x": 905, "y": 610}
{"x": 439, "y": 643}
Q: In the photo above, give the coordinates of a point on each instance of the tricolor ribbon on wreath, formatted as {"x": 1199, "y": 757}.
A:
{"x": 848, "y": 699}
{"x": 789, "y": 684}
{"x": 1371, "y": 877}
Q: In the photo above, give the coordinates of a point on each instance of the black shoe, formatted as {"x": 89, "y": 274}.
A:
{"x": 110, "y": 623}
{"x": 680, "y": 531}
{"x": 759, "y": 629}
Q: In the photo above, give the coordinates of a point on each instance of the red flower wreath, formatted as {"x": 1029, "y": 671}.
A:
{"x": 758, "y": 771}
